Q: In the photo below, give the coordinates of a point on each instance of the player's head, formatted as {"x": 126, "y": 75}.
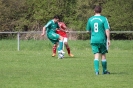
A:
{"x": 98, "y": 9}
{"x": 56, "y": 18}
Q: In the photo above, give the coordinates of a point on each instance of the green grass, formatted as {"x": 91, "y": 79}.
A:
{"x": 33, "y": 66}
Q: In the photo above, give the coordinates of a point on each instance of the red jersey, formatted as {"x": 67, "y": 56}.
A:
{"x": 63, "y": 27}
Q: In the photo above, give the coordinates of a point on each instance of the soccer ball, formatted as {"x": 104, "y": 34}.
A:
{"x": 60, "y": 56}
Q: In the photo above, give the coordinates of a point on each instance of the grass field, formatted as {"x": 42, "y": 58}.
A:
{"x": 33, "y": 66}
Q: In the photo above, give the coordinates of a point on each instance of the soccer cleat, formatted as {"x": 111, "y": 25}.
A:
{"x": 53, "y": 55}
{"x": 106, "y": 72}
{"x": 71, "y": 55}
{"x": 97, "y": 73}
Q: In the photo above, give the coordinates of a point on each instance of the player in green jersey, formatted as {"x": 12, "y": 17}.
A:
{"x": 50, "y": 29}
{"x": 99, "y": 27}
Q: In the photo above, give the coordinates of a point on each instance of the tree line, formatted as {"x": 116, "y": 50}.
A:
{"x": 32, "y": 15}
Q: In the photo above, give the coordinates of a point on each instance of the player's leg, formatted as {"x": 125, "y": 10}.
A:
{"x": 104, "y": 61}
{"x": 67, "y": 47}
{"x": 60, "y": 48}
{"x": 96, "y": 63}
{"x": 54, "y": 49}
{"x": 55, "y": 42}
{"x": 55, "y": 38}
{"x": 104, "y": 64}
{"x": 60, "y": 43}
{"x": 96, "y": 57}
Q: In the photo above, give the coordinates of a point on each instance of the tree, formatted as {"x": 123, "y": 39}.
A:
{"x": 12, "y": 15}
{"x": 26, "y": 15}
{"x": 119, "y": 13}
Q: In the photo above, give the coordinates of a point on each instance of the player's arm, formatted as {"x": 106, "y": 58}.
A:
{"x": 67, "y": 30}
{"x": 108, "y": 36}
{"x": 107, "y": 27}
{"x": 63, "y": 28}
{"x": 43, "y": 31}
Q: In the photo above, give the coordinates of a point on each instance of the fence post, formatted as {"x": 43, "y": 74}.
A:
{"x": 18, "y": 39}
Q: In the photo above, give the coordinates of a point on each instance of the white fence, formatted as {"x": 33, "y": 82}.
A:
{"x": 39, "y": 32}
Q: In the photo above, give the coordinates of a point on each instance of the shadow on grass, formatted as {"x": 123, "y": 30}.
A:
{"x": 67, "y": 57}
{"x": 120, "y": 73}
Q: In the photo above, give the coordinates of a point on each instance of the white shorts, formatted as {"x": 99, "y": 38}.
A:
{"x": 65, "y": 39}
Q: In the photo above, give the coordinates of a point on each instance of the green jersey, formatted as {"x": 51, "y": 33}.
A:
{"x": 97, "y": 25}
{"x": 51, "y": 26}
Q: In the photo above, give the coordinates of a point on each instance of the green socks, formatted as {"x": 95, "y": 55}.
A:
{"x": 60, "y": 45}
{"x": 96, "y": 65}
{"x": 104, "y": 65}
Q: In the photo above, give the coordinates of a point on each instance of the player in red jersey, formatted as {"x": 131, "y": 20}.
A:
{"x": 62, "y": 32}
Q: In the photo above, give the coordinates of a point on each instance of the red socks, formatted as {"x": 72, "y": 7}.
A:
{"x": 54, "y": 49}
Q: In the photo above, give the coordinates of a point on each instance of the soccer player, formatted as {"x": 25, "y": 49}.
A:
{"x": 50, "y": 29}
{"x": 62, "y": 32}
{"x": 99, "y": 27}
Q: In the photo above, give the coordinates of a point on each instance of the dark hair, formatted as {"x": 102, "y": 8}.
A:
{"x": 98, "y": 9}
{"x": 57, "y": 17}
